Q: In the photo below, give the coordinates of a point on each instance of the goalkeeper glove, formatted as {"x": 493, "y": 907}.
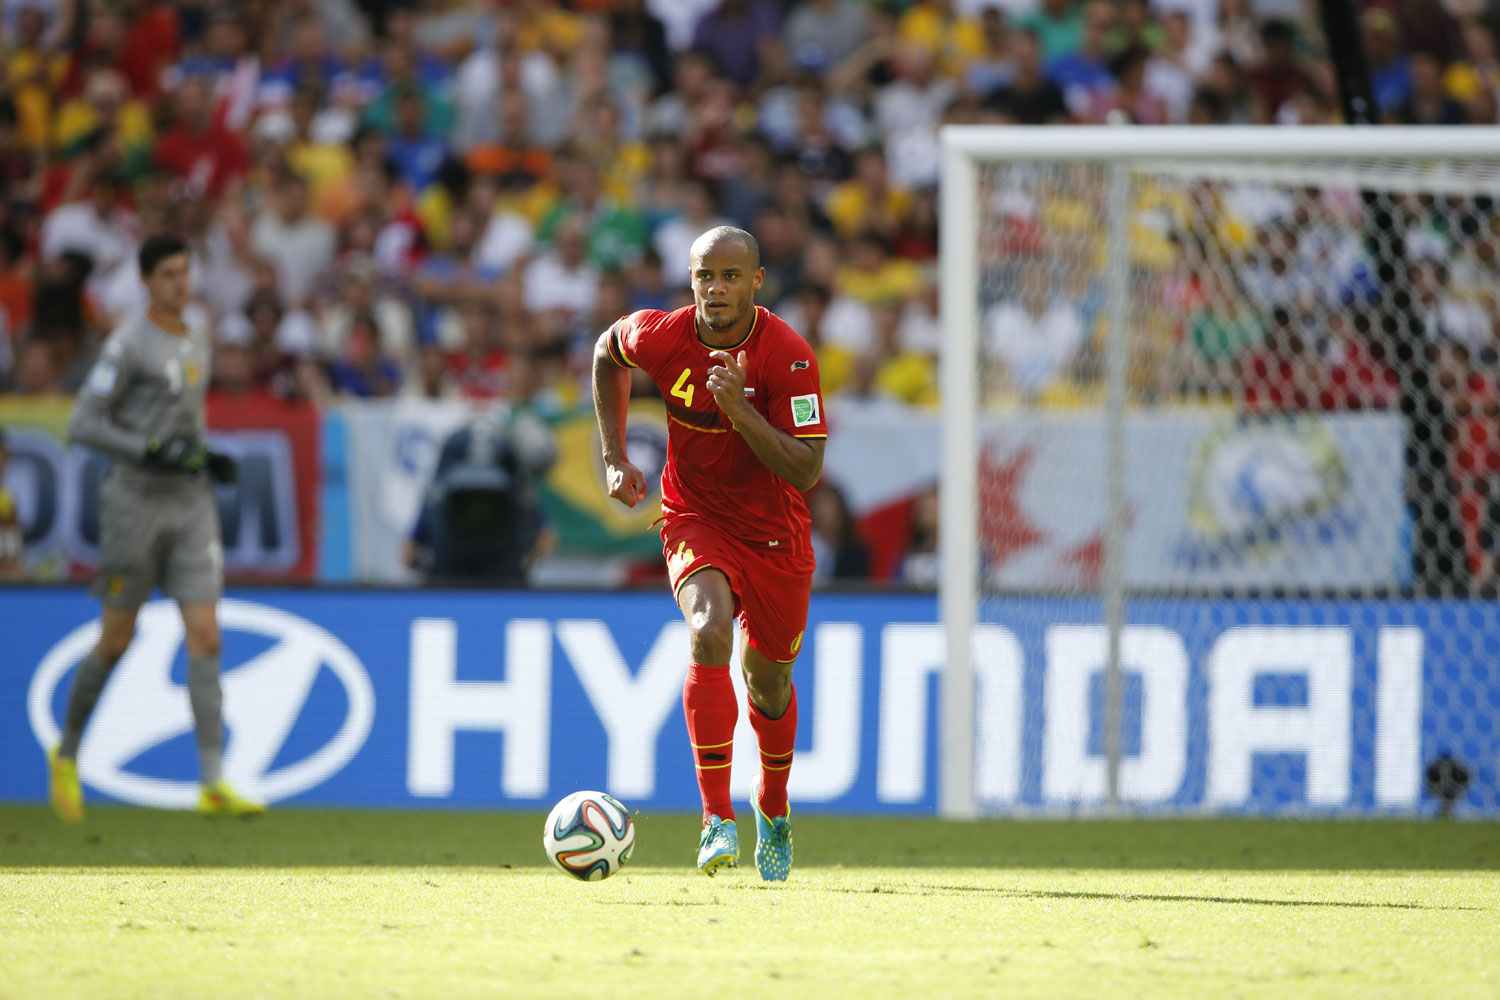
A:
{"x": 222, "y": 468}
{"x": 178, "y": 454}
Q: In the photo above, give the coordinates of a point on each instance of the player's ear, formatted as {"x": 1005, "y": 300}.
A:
{"x": 759, "y": 279}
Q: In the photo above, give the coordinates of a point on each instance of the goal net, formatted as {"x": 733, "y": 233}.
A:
{"x": 1221, "y": 470}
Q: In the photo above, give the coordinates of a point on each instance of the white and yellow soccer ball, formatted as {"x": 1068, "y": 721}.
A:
{"x": 589, "y": 835}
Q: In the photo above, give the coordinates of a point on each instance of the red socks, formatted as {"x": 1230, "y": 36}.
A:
{"x": 708, "y": 702}
{"x": 776, "y": 738}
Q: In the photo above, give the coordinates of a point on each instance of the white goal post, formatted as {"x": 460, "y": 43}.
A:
{"x": 1116, "y": 154}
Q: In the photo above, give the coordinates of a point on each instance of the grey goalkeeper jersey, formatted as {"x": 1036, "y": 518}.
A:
{"x": 147, "y": 384}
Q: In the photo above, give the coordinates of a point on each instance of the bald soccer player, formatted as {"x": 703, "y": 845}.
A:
{"x": 158, "y": 524}
{"x": 746, "y": 438}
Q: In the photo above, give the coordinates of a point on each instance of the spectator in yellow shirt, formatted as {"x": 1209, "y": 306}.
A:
{"x": 1479, "y": 69}
{"x": 106, "y": 104}
{"x": 326, "y": 167}
{"x": 623, "y": 162}
{"x": 546, "y": 27}
{"x": 867, "y": 200}
{"x": 874, "y": 277}
{"x": 953, "y": 41}
{"x": 33, "y": 74}
{"x": 901, "y": 374}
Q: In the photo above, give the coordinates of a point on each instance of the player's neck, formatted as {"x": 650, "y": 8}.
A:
{"x": 731, "y": 337}
{"x": 170, "y": 320}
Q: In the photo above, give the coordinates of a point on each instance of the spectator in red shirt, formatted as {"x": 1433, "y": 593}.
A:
{"x": 479, "y": 367}
{"x": 15, "y": 281}
{"x": 202, "y": 155}
{"x": 918, "y": 236}
{"x": 100, "y": 47}
{"x": 1280, "y": 376}
{"x": 1357, "y": 379}
{"x": 152, "y": 42}
{"x": 1279, "y": 76}
{"x": 235, "y": 375}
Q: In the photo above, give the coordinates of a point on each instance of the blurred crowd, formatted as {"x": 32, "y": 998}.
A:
{"x": 451, "y": 198}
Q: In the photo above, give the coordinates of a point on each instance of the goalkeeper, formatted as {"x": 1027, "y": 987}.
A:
{"x": 158, "y": 523}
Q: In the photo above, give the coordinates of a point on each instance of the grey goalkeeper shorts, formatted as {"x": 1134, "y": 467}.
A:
{"x": 167, "y": 539}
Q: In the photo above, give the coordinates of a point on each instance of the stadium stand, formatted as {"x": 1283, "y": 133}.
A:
{"x": 399, "y": 198}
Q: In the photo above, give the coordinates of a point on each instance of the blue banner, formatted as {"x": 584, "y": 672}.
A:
{"x": 509, "y": 699}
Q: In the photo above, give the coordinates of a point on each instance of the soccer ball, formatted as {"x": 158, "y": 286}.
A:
{"x": 589, "y": 835}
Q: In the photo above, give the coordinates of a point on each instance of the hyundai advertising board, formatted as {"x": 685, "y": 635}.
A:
{"x": 512, "y": 700}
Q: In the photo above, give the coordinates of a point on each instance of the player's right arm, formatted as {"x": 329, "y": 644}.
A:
{"x": 624, "y": 481}
{"x": 92, "y": 423}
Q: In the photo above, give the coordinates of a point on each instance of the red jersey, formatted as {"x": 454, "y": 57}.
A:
{"x": 711, "y": 471}
{"x": 202, "y": 162}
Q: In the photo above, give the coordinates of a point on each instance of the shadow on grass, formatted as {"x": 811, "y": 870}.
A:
{"x": 1130, "y": 897}
{"x": 31, "y": 837}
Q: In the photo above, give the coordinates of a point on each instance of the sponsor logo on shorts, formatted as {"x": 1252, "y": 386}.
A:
{"x": 683, "y": 556}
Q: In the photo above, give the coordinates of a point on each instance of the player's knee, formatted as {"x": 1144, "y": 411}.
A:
{"x": 770, "y": 686}
{"x": 204, "y": 640}
{"x": 112, "y": 645}
{"x": 713, "y": 636}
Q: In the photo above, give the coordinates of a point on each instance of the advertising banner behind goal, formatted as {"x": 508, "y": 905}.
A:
{"x": 1214, "y": 502}
{"x": 512, "y": 700}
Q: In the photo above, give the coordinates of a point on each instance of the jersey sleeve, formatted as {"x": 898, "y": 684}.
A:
{"x": 92, "y": 422}
{"x": 635, "y": 340}
{"x": 794, "y": 401}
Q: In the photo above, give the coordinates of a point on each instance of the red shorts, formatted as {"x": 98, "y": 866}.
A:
{"x": 771, "y": 585}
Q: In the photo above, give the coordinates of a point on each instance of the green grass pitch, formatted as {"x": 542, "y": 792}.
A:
{"x": 453, "y": 905}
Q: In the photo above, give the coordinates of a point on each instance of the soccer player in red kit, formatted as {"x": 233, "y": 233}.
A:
{"x": 746, "y": 437}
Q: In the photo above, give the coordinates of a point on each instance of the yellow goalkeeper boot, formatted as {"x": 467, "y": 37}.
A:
{"x": 63, "y": 789}
{"x": 219, "y": 799}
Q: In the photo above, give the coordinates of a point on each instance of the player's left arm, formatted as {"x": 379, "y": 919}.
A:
{"x": 798, "y": 460}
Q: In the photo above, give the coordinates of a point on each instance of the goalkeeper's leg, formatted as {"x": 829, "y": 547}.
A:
{"x": 195, "y": 577}
{"x": 117, "y": 626}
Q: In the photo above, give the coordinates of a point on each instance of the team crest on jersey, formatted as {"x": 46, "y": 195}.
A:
{"x": 102, "y": 378}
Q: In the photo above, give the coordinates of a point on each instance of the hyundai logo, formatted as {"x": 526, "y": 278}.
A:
{"x": 141, "y": 707}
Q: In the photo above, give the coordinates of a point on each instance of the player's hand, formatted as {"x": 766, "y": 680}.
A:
{"x": 222, "y": 468}
{"x": 177, "y": 454}
{"x": 726, "y": 381}
{"x": 626, "y": 483}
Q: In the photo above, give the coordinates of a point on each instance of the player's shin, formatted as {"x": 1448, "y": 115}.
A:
{"x": 88, "y": 684}
{"x": 207, "y": 700}
{"x": 711, "y": 709}
{"x": 776, "y": 738}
